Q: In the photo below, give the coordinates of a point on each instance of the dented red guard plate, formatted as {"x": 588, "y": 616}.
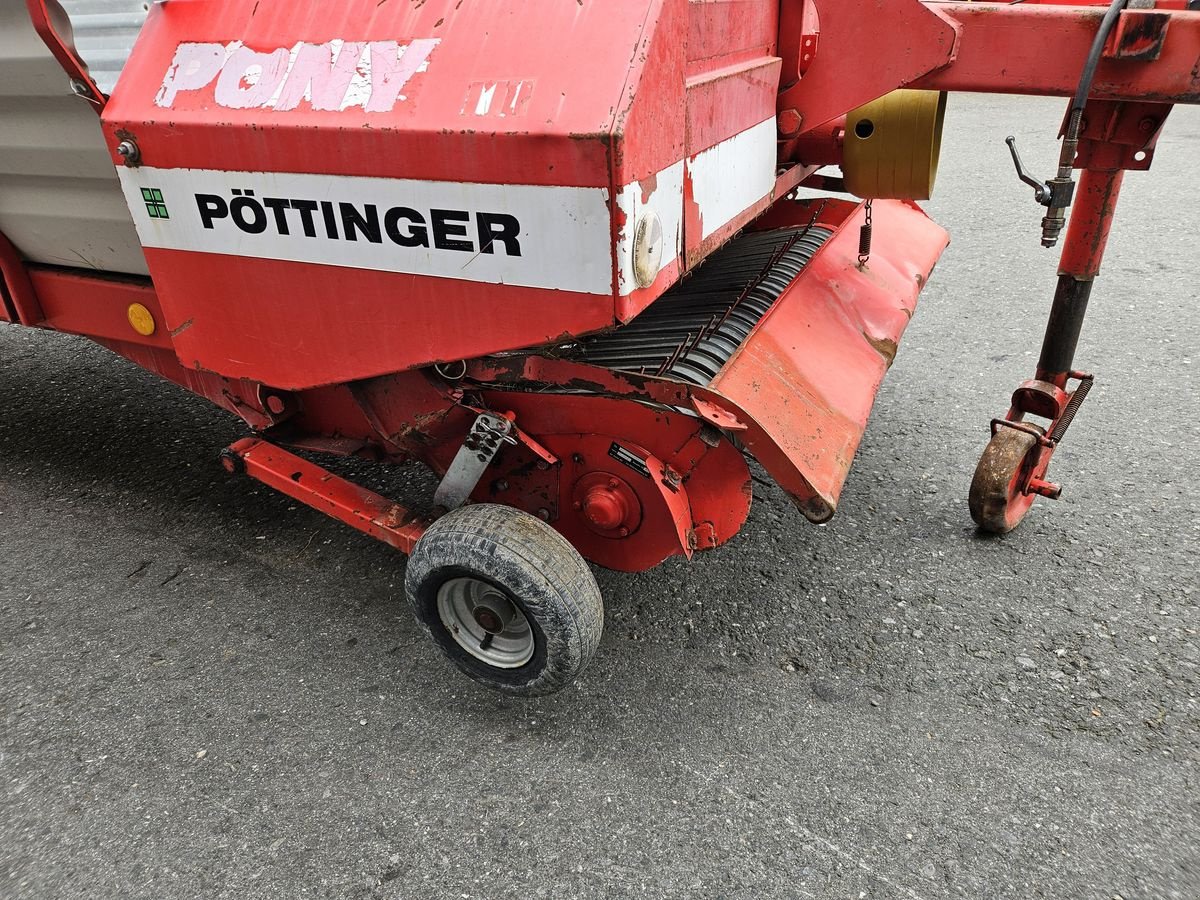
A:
{"x": 806, "y": 378}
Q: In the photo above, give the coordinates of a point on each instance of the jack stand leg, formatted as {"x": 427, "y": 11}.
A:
{"x": 1011, "y": 472}
{"x": 1087, "y": 237}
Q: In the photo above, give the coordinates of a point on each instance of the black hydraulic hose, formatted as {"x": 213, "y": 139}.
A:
{"x": 1079, "y": 103}
{"x": 1063, "y": 185}
{"x": 1093, "y": 60}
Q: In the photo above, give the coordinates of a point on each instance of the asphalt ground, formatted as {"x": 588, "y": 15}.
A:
{"x": 209, "y": 692}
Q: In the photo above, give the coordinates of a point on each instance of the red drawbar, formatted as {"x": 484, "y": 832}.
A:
{"x": 325, "y": 492}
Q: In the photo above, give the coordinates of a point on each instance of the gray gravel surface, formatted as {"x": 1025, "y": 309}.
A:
{"x": 206, "y": 691}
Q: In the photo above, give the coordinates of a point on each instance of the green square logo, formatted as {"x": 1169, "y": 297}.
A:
{"x": 154, "y": 203}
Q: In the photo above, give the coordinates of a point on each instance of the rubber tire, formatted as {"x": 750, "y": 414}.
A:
{"x": 540, "y": 572}
{"x": 997, "y": 506}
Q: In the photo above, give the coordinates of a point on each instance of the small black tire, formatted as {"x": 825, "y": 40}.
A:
{"x": 997, "y": 502}
{"x": 489, "y": 554}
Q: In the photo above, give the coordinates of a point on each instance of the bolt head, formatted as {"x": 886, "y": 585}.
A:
{"x": 789, "y": 123}
{"x": 129, "y": 152}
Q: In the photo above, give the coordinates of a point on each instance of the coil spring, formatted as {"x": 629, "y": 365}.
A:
{"x": 865, "y": 236}
{"x": 1068, "y": 416}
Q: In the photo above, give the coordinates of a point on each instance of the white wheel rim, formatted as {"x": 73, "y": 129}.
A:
{"x": 485, "y": 622}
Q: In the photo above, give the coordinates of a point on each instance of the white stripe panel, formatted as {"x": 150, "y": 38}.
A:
{"x": 565, "y": 235}
{"x": 666, "y": 202}
{"x": 734, "y": 175}
{"x": 565, "y": 239}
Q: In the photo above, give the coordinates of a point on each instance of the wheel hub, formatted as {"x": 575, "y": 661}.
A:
{"x": 607, "y": 504}
{"x": 485, "y": 622}
{"x": 489, "y": 620}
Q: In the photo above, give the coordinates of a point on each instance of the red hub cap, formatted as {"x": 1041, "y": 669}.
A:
{"x": 607, "y": 504}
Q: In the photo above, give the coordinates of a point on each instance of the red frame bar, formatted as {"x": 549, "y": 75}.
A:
{"x": 18, "y": 291}
{"x": 325, "y": 492}
{"x": 1041, "y": 48}
{"x": 96, "y": 305}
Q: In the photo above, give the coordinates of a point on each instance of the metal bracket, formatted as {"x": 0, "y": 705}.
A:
{"x": 46, "y": 16}
{"x": 1031, "y": 430}
{"x": 487, "y": 435}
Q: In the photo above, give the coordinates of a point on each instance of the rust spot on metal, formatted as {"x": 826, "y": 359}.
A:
{"x": 182, "y": 328}
{"x": 395, "y": 517}
{"x": 885, "y": 347}
{"x": 1141, "y": 35}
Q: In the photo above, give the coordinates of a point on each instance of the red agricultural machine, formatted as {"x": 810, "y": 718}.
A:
{"x": 578, "y": 258}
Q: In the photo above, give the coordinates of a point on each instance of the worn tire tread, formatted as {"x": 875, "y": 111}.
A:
{"x": 535, "y": 563}
{"x": 1000, "y": 461}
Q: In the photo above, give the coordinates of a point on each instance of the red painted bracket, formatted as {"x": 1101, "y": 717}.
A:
{"x": 42, "y": 14}
{"x": 828, "y": 89}
{"x": 325, "y": 492}
{"x": 17, "y": 295}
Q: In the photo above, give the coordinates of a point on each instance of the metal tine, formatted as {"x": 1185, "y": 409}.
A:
{"x": 729, "y": 278}
{"x": 694, "y": 330}
{"x": 703, "y": 333}
{"x": 663, "y": 333}
{"x": 773, "y": 261}
{"x": 673, "y": 358}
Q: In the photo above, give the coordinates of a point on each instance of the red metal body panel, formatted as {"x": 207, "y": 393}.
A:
{"x": 105, "y": 314}
{"x": 633, "y": 122}
{"x": 347, "y": 324}
{"x": 430, "y": 135}
{"x": 809, "y": 373}
{"x": 892, "y": 44}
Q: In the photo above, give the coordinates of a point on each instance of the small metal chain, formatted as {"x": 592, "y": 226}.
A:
{"x": 865, "y": 234}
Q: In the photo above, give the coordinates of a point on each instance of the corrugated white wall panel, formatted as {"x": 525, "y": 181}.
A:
{"x": 104, "y": 34}
{"x": 60, "y": 201}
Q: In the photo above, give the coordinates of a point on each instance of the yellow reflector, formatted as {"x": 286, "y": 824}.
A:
{"x": 892, "y": 146}
{"x": 141, "y": 319}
